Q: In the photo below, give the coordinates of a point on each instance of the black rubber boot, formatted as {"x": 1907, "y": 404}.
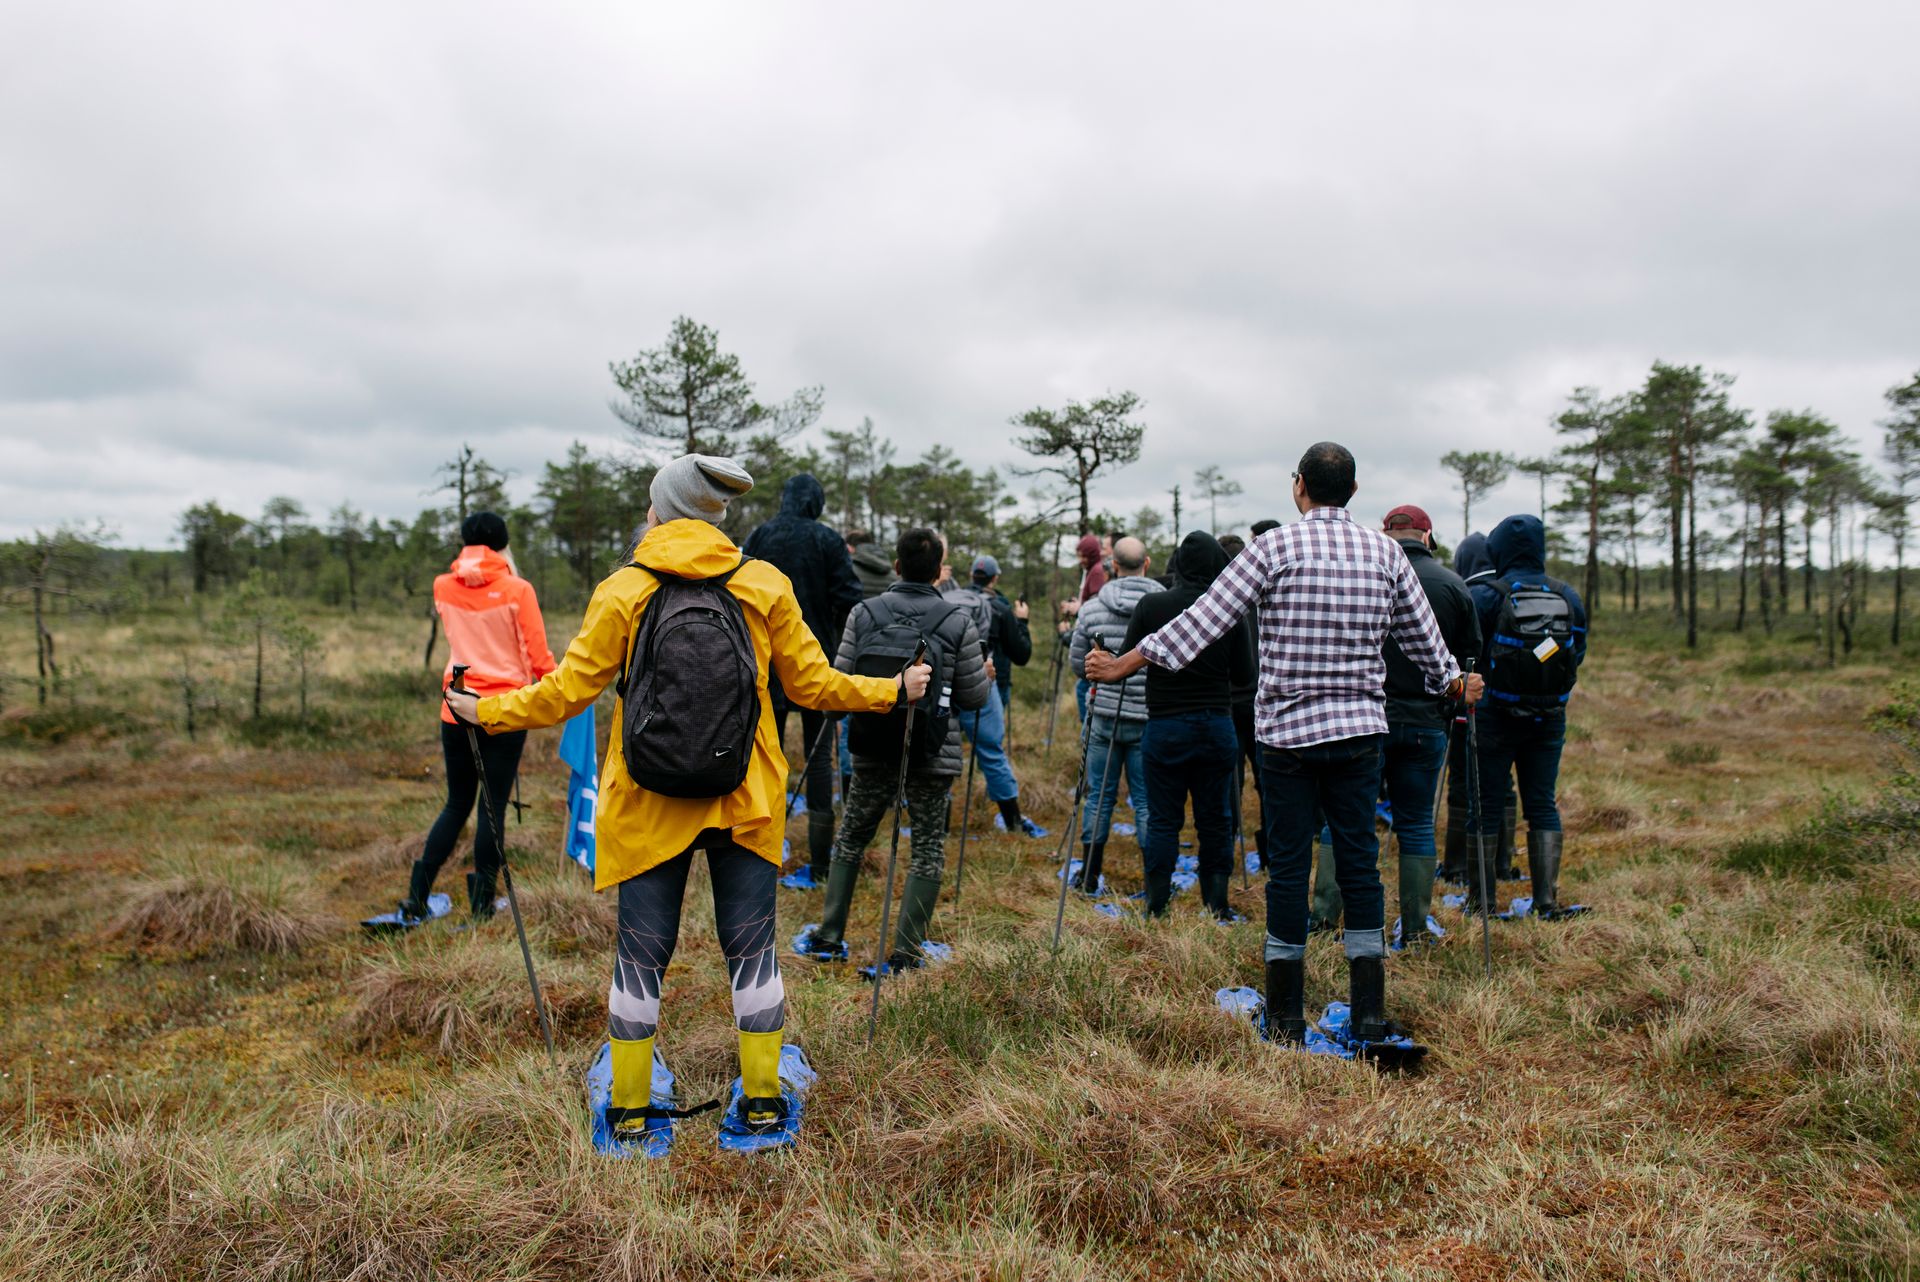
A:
{"x": 1454, "y": 866}
{"x": 480, "y": 895}
{"x": 842, "y": 876}
{"x": 916, "y": 911}
{"x": 1367, "y": 998}
{"x": 1159, "y": 891}
{"x": 1543, "y": 864}
{"x": 819, "y": 843}
{"x": 1213, "y": 893}
{"x": 1507, "y": 870}
{"x": 1286, "y": 1018}
{"x": 1010, "y": 813}
{"x": 419, "y": 887}
{"x": 1093, "y": 861}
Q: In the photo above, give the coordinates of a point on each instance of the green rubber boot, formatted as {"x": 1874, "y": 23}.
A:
{"x": 916, "y": 911}
{"x": 1416, "y": 896}
{"x": 842, "y": 876}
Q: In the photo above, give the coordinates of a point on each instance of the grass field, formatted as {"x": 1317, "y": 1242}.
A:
{"x": 209, "y": 1073}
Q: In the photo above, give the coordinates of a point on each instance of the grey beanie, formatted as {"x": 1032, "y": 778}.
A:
{"x": 697, "y": 487}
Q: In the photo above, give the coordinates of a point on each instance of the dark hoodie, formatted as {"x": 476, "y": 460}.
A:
{"x": 813, "y": 557}
{"x": 1518, "y": 552}
{"x": 1206, "y": 684}
{"x": 1471, "y": 560}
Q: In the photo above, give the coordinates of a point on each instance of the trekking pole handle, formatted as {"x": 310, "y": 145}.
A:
{"x": 459, "y": 681}
{"x": 919, "y": 657}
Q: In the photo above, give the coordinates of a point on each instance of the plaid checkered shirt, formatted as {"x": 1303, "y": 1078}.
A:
{"x": 1329, "y": 592}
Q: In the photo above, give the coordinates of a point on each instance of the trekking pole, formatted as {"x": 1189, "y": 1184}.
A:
{"x": 1053, "y": 692}
{"x": 820, "y": 736}
{"x": 966, "y": 804}
{"x": 1482, "y": 865}
{"x": 519, "y": 818}
{"x": 893, "y": 855}
{"x": 1086, "y": 738}
{"x": 506, "y": 870}
{"x": 1239, "y": 822}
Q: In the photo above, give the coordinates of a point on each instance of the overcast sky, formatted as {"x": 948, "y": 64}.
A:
{"x": 251, "y": 249}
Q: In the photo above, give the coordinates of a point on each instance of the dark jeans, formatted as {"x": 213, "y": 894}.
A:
{"x": 1413, "y": 757}
{"x": 1341, "y": 779}
{"x": 500, "y": 755}
{"x": 1528, "y": 746}
{"x": 1187, "y": 755}
{"x": 1250, "y": 754}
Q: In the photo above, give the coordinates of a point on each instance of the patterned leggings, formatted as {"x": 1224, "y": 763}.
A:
{"x": 743, "y": 901}
{"x": 868, "y": 801}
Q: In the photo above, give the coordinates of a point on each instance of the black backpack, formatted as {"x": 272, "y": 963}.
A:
{"x": 1530, "y": 657}
{"x": 690, "y": 698}
{"x": 887, "y": 648}
{"x": 977, "y": 602}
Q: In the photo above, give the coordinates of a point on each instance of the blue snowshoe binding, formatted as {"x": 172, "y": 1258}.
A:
{"x": 635, "y": 1132}
{"x": 1432, "y": 936}
{"x": 401, "y": 920}
{"x": 931, "y": 954}
{"x": 1247, "y": 1003}
{"x": 801, "y": 878}
{"x": 752, "y": 1126}
{"x": 1395, "y": 1050}
{"x": 803, "y": 946}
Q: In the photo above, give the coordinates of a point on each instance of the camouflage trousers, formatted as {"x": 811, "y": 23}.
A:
{"x": 867, "y": 803}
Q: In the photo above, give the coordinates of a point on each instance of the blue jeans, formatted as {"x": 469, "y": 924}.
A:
{"x": 986, "y": 730}
{"x": 1342, "y": 781}
{"x": 1414, "y": 755}
{"x": 1187, "y": 755}
{"x": 1108, "y": 753}
{"x": 1080, "y": 689}
{"x": 1528, "y": 746}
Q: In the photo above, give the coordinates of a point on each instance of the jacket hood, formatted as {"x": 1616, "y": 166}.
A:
{"x": 803, "y": 497}
{"x": 1088, "y": 549}
{"x": 870, "y": 556}
{"x": 1471, "y": 559}
{"x": 478, "y": 565}
{"x": 1518, "y": 543}
{"x": 1119, "y": 596}
{"x": 688, "y": 548}
{"x": 1199, "y": 561}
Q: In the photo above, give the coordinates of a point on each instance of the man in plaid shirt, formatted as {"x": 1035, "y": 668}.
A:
{"x": 1328, "y": 593}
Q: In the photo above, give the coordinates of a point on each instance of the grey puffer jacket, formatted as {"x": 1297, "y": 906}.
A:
{"x": 1107, "y": 616}
{"x": 957, "y": 635}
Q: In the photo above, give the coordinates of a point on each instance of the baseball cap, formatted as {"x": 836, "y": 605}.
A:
{"x": 1407, "y": 517}
{"x": 985, "y": 567}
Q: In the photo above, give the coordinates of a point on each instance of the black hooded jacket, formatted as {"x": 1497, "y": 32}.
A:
{"x": 812, "y": 556}
{"x": 1206, "y": 684}
{"x": 1408, "y": 703}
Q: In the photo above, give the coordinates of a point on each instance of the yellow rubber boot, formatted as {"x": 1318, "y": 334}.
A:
{"x": 760, "y": 1071}
{"x": 632, "y": 1073}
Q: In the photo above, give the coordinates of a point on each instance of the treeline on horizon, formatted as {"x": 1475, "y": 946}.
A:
{"x": 1760, "y": 517}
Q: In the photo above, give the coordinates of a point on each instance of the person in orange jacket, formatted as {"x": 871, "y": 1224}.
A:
{"x": 645, "y": 839}
{"x": 493, "y": 625}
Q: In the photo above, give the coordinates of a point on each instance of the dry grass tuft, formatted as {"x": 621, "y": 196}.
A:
{"x": 467, "y": 993}
{"x": 209, "y": 902}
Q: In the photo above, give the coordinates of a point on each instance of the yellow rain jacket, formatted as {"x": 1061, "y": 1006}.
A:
{"x": 636, "y": 829}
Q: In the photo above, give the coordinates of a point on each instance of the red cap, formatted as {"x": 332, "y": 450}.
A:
{"x": 1407, "y": 517}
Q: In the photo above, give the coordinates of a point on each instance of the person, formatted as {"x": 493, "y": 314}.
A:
{"x": 1188, "y": 748}
{"x": 1328, "y": 593}
{"x": 1245, "y": 739}
{"x": 1535, "y": 631}
{"x": 1119, "y": 712}
{"x": 1473, "y": 564}
{"x": 1091, "y": 554}
{"x": 646, "y": 839}
{"x": 954, "y": 641}
{"x": 1417, "y": 726}
{"x": 869, "y": 563}
{"x": 816, "y": 563}
{"x": 492, "y": 620}
{"x": 1005, "y": 643}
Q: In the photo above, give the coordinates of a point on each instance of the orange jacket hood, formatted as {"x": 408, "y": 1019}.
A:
{"x": 478, "y": 565}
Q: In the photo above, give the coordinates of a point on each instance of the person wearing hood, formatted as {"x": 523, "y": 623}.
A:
{"x": 492, "y": 621}
{"x": 870, "y": 564}
{"x": 815, "y": 561}
{"x": 1189, "y": 747}
{"x": 1093, "y": 576}
{"x": 646, "y": 839}
{"x": 1328, "y": 593}
{"x": 1474, "y": 564}
{"x": 1535, "y": 630}
{"x": 1119, "y": 711}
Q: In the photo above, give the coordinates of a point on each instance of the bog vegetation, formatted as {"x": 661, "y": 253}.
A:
{"x": 216, "y": 759}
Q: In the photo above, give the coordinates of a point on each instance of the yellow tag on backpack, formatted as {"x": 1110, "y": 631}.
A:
{"x": 1546, "y": 649}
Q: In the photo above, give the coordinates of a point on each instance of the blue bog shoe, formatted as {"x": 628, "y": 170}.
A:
{"x": 1028, "y": 828}
{"x": 615, "y": 1136}
{"x": 1248, "y": 1003}
{"x": 400, "y": 919}
{"x": 803, "y": 946}
{"x": 1433, "y": 934}
{"x": 801, "y": 878}
{"x": 739, "y": 1135}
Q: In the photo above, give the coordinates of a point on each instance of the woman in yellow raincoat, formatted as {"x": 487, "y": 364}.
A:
{"x": 645, "y": 840}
